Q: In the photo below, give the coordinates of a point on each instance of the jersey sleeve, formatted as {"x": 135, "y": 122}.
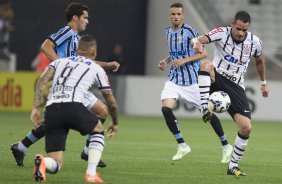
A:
{"x": 61, "y": 36}
{"x": 258, "y": 46}
{"x": 196, "y": 34}
{"x": 102, "y": 78}
{"x": 53, "y": 64}
{"x": 216, "y": 34}
{"x": 192, "y": 33}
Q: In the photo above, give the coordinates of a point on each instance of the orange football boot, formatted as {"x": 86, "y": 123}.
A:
{"x": 93, "y": 179}
{"x": 39, "y": 171}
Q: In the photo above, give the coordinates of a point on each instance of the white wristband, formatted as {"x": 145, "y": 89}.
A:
{"x": 263, "y": 82}
{"x": 194, "y": 40}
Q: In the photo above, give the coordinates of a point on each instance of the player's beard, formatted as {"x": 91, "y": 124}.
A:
{"x": 239, "y": 39}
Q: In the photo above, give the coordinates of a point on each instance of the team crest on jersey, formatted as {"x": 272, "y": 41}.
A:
{"x": 247, "y": 49}
{"x": 179, "y": 39}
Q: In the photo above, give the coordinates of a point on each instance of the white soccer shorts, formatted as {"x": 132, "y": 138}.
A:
{"x": 185, "y": 94}
{"x": 89, "y": 100}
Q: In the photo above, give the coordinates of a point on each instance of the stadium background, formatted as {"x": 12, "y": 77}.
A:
{"x": 139, "y": 26}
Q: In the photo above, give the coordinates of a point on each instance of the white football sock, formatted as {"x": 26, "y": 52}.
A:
{"x": 204, "y": 87}
{"x": 52, "y": 166}
{"x": 22, "y": 147}
{"x": 95, "y": 150}
{"x": 239, "y": 150}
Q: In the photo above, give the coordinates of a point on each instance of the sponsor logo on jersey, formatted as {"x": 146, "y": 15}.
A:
{"x": 230, "y": 59}
{"x": 60, "y": 88}
{"x": 72, "y": 53}
{"x": 56, "y": 97}
{"x": 229, "y": 76}
{"x": 88, "y": 62}
{"x": 178, "y": 53}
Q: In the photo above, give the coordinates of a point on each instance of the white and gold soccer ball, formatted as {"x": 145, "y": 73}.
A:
{"x": 219, "y": 101}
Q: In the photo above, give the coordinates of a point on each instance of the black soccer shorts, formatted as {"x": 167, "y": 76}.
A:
{"x": 239, "y": 101}
{"x": 60, "y": 118}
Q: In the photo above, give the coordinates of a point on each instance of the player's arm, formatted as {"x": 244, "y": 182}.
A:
{"x": 41, "y": 85}
{"x": 202, "y": 39}
{"x": 198, "y": 43}
{"x": 103, "y": 85}
{"x": 112, "y": 105}
{"x": 113, "y": 65}
{"x": 260, "y": 66}
{"x": 48, "y": 49}
{"x": 163, "y": 63}
{"x": 197, "y": 56}
{"x": 113, "y": 109}
{"x": 214, "y": 35}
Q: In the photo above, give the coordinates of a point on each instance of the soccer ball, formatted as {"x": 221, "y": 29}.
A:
{"x": 219, "y": 101}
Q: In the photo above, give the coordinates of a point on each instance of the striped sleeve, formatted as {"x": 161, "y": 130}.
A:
{"x": 102, "y": 79}
{"x": 258, "y": 47}
{"x": 216, "y": 34}
{"x": 54, "y": 64}
{"x": 192, "y": 33}
{"x": 166, "y": 31}
{"x": 61, "y": 36}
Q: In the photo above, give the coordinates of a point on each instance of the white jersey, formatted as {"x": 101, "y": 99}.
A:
{"x": 73, "y": 78}
{"x": 231, "y": 59}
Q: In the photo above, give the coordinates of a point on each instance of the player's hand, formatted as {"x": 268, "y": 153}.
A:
{"x": 177, "y": 63}
{"x": 198, "y": 47}
{"x": 162, "y": 65}
{"x": 35, "y": 116}
{"x": 114, "y": 66}
{"x": 264, "y": 90}
{"x": 112, "y": 130}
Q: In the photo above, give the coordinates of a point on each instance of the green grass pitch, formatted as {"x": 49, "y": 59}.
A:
{"x": 142, "y": 152}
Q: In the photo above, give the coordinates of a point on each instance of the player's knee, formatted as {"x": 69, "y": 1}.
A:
{"x": 246, "y": 129}
{"x": 166, "y": 110}
{"x": 101, "y": 112}
{"x": 104, "y": 112}
{"x": 206, "y": 66}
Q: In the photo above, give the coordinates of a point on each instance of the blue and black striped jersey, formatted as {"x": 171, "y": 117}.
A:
{"x": 66, "y": 41}
{"x": 179, "y": 47}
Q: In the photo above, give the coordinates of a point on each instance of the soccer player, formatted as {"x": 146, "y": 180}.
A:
{"x": 182, "y": 83}
{"x": 234, "y": 47}
{"x": 65, "y": 109}
{"x": 63, "y": 44}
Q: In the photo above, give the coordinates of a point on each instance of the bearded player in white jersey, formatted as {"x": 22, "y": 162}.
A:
{"x": 234, "y": 47}
{"x": 65, "y": 109}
